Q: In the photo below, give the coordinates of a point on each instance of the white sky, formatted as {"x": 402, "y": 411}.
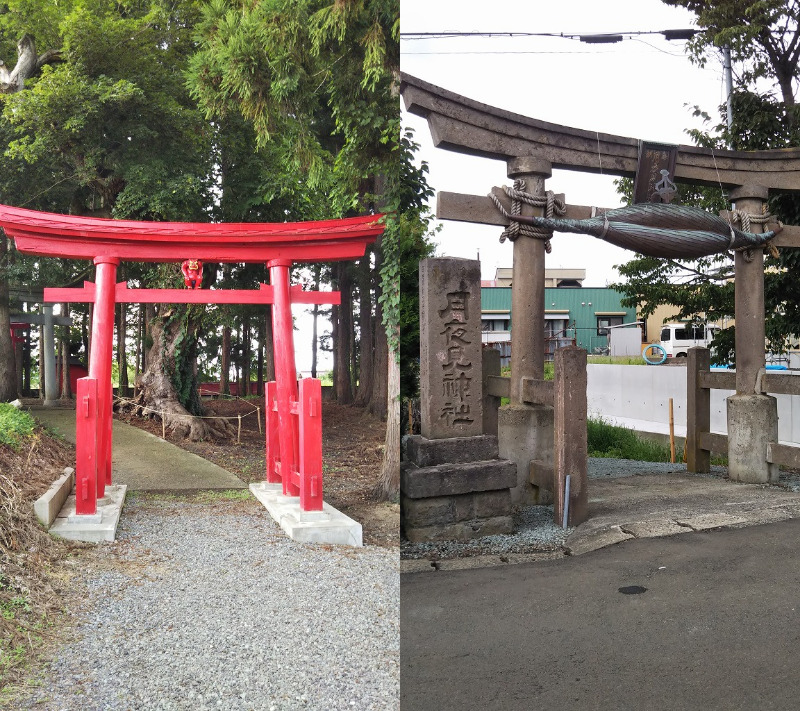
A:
{"x": 643, "y": 88}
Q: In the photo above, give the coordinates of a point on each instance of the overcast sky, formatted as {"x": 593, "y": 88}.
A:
{"x": 643, "y": 87}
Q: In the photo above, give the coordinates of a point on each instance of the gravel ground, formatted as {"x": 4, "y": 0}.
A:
{"x": 534, "y": 530}
{"x": 207, "y": 605}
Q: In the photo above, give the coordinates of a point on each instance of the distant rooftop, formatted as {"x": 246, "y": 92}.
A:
{"x": 564, "y": 278}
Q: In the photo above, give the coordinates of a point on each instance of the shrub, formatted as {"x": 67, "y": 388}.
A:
{"x": 15, "y": 426}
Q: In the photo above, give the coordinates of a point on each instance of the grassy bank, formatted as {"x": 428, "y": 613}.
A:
{"x": 32, "y": 583}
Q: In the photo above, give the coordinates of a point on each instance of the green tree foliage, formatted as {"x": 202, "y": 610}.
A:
{"x": 761, "y": 34}
{"x": 764, "y": 40}
{"x": 113, "y": 120}
{"x": 317, "y": 82}
{"x": 108, "y": 130}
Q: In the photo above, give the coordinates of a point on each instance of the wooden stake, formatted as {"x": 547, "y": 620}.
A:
{"x": 239, "y": 432}
{"x": 258, "y": 410}
{"x": 671, "y": 434}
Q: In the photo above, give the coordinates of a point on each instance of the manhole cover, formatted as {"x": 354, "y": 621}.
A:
{"x": 632, "y": 590}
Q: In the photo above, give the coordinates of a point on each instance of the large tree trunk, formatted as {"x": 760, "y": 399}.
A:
{"x": 342, "y": 335}
{"x": 225, "y": 362}
{"x": 157, "y": 394}
{"x": 149, "y": 316}
{"x": 269, "y": 347}
{"x": 139, "y": 342}
{"x": 378, "y": 400}
{"x": 66, "y": 379}
{"x": 8, "y": 368}
{"x": 389, "y": 487}
{"x": 122, "y": 347}
{"x": 19, "y": 351}
{"x": 315, "y": 318}
{"x": 246, "y": 341}
{"x": 366, "y": 350}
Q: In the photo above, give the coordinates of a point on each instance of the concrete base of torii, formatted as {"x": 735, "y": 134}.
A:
{"x": 95, "y": 528}
{"x": 525, "y": 435}
{"x": 752, "y": 425}
{"x": 326, "y": 526}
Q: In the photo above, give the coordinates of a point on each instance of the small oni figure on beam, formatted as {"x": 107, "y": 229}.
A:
{"x": 192, "y": 270}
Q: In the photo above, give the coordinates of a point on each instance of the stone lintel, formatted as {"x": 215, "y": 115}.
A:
{"x": 452, "y": 479}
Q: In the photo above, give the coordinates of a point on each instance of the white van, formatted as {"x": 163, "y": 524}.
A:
{"x": 678, "y": 338}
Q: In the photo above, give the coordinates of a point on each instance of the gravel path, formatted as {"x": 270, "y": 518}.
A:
{"x": 209, "y": 606}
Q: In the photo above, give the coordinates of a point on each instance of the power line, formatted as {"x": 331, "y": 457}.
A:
{"x": 601, "y": 38}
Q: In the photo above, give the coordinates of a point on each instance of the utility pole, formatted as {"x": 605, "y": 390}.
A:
{"x": 726, "y": 66}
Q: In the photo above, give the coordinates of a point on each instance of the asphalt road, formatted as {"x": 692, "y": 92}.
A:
{"x": 718, "y": 627}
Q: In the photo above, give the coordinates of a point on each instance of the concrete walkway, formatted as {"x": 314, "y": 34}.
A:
{"x": 145, "y": 462}
{"x": 650, "y": 506}
{"x": 659, "y": 505}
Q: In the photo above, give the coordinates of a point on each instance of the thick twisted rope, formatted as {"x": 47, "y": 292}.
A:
{"x": 746, "y": 220}
{"x": 552, "y": 207}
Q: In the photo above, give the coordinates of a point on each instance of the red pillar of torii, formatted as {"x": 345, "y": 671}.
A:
{"x": 293, "y": 428}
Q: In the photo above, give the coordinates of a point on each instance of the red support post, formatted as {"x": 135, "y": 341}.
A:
{"x": 272, "y": 433}
{"x": 100, "y": 362}
{"x": 309, "y": 413}
{"x": 285, "y": 372}
{"x": 86, "y": 426}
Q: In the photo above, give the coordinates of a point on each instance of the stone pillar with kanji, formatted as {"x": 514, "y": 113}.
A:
{"x": 450, "y": 348}
{"x": 453, "y": 486}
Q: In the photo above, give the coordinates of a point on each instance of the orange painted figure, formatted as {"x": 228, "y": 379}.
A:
{"x": 192, "y": 273}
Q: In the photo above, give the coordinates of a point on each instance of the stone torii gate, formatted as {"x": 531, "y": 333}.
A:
{"x": 531, "y": 149}
{"x": 293, "y": 428}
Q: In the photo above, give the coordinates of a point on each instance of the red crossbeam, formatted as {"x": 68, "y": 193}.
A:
{"x": 124, "y": 295}
{"x": 56, "y": 235}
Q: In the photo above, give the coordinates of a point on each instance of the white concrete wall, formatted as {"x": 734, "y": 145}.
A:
{"x": 638, "y": 397}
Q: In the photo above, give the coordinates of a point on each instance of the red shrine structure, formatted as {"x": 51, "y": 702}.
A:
{"x": 294, "y": 414}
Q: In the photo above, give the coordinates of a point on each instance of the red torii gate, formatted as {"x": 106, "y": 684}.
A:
{"x": 293, "y": 422}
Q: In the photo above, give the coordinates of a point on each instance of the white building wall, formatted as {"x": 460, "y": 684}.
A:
{"x": 638, "y": 397}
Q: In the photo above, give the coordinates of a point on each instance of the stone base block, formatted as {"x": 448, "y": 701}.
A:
{"x": 462, "y": 530}
{"x": 453, "y": 450}
{"x": 326, "y": 526}
{"x": 446, "y": 494}
{"x": 454, "y": 479}
{"x": 752, "y": 425}
{"x": 444, "y": 510}
{"x": 93, "y": 528}
{"x": 47, "y": 506}
{"x": 525, "y": 433}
